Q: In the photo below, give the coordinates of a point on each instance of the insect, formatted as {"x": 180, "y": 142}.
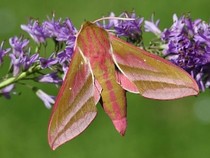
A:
{"x": 104, "y": 67}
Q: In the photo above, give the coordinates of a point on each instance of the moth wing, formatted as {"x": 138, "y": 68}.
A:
{"x": 148, "y": 74}
{"x": 75, "y": 106}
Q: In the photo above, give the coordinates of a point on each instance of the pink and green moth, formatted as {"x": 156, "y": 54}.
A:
{"x": 104, "y": 68}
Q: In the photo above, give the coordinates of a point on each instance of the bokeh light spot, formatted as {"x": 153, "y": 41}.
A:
{"x": 202, "y": 110}
{"x": 7, "y": 21}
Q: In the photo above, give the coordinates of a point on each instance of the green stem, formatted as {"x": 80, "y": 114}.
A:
{"x": 23, "y": 75}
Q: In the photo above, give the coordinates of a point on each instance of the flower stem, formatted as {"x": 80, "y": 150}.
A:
{"x": 23, "y": 75}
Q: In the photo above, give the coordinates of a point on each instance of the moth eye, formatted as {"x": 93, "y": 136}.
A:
{"x": 145, "y": 60}
{"x": 82, "y": 63}
{"x": 70, "y": 88}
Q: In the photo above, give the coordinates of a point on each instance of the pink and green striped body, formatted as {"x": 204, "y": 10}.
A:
{"x": 95, "y": 45}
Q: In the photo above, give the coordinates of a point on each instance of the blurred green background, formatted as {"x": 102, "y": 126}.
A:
{"x": 160, "y": 129}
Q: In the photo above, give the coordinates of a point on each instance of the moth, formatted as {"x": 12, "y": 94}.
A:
{"x": 104, "y": 68}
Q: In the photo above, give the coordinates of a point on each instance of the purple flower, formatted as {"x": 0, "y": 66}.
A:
{"x": 50, "y": 78}
{"x": 64, "y": 57}
{"x": 3, "y": 52}
{"x": 111, "y": 22}
{"x": 130, "y": 29}
{"x": 30, "y": 60}
{"x": 18, "y": 45}
{"x": 6, "y": 91}
{"x": 21, "y": 58}
{"x": 36, "y": 31}
{"x": 47, "y": 99}
{"x": 56, "y": 29}
{"x": 18, "y": 55}
{"x": 48, "y": 62}
{"x": 127, "y": 25}
{"x": 61, "y": 31}
{"x": 152, "y": 26}
{"x": 188, "y": 46}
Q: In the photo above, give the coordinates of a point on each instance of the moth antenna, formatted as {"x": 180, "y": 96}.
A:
{"x": 117, "y": 18}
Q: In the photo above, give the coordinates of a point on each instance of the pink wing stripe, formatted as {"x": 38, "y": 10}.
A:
{"x": 126, "y": 83}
